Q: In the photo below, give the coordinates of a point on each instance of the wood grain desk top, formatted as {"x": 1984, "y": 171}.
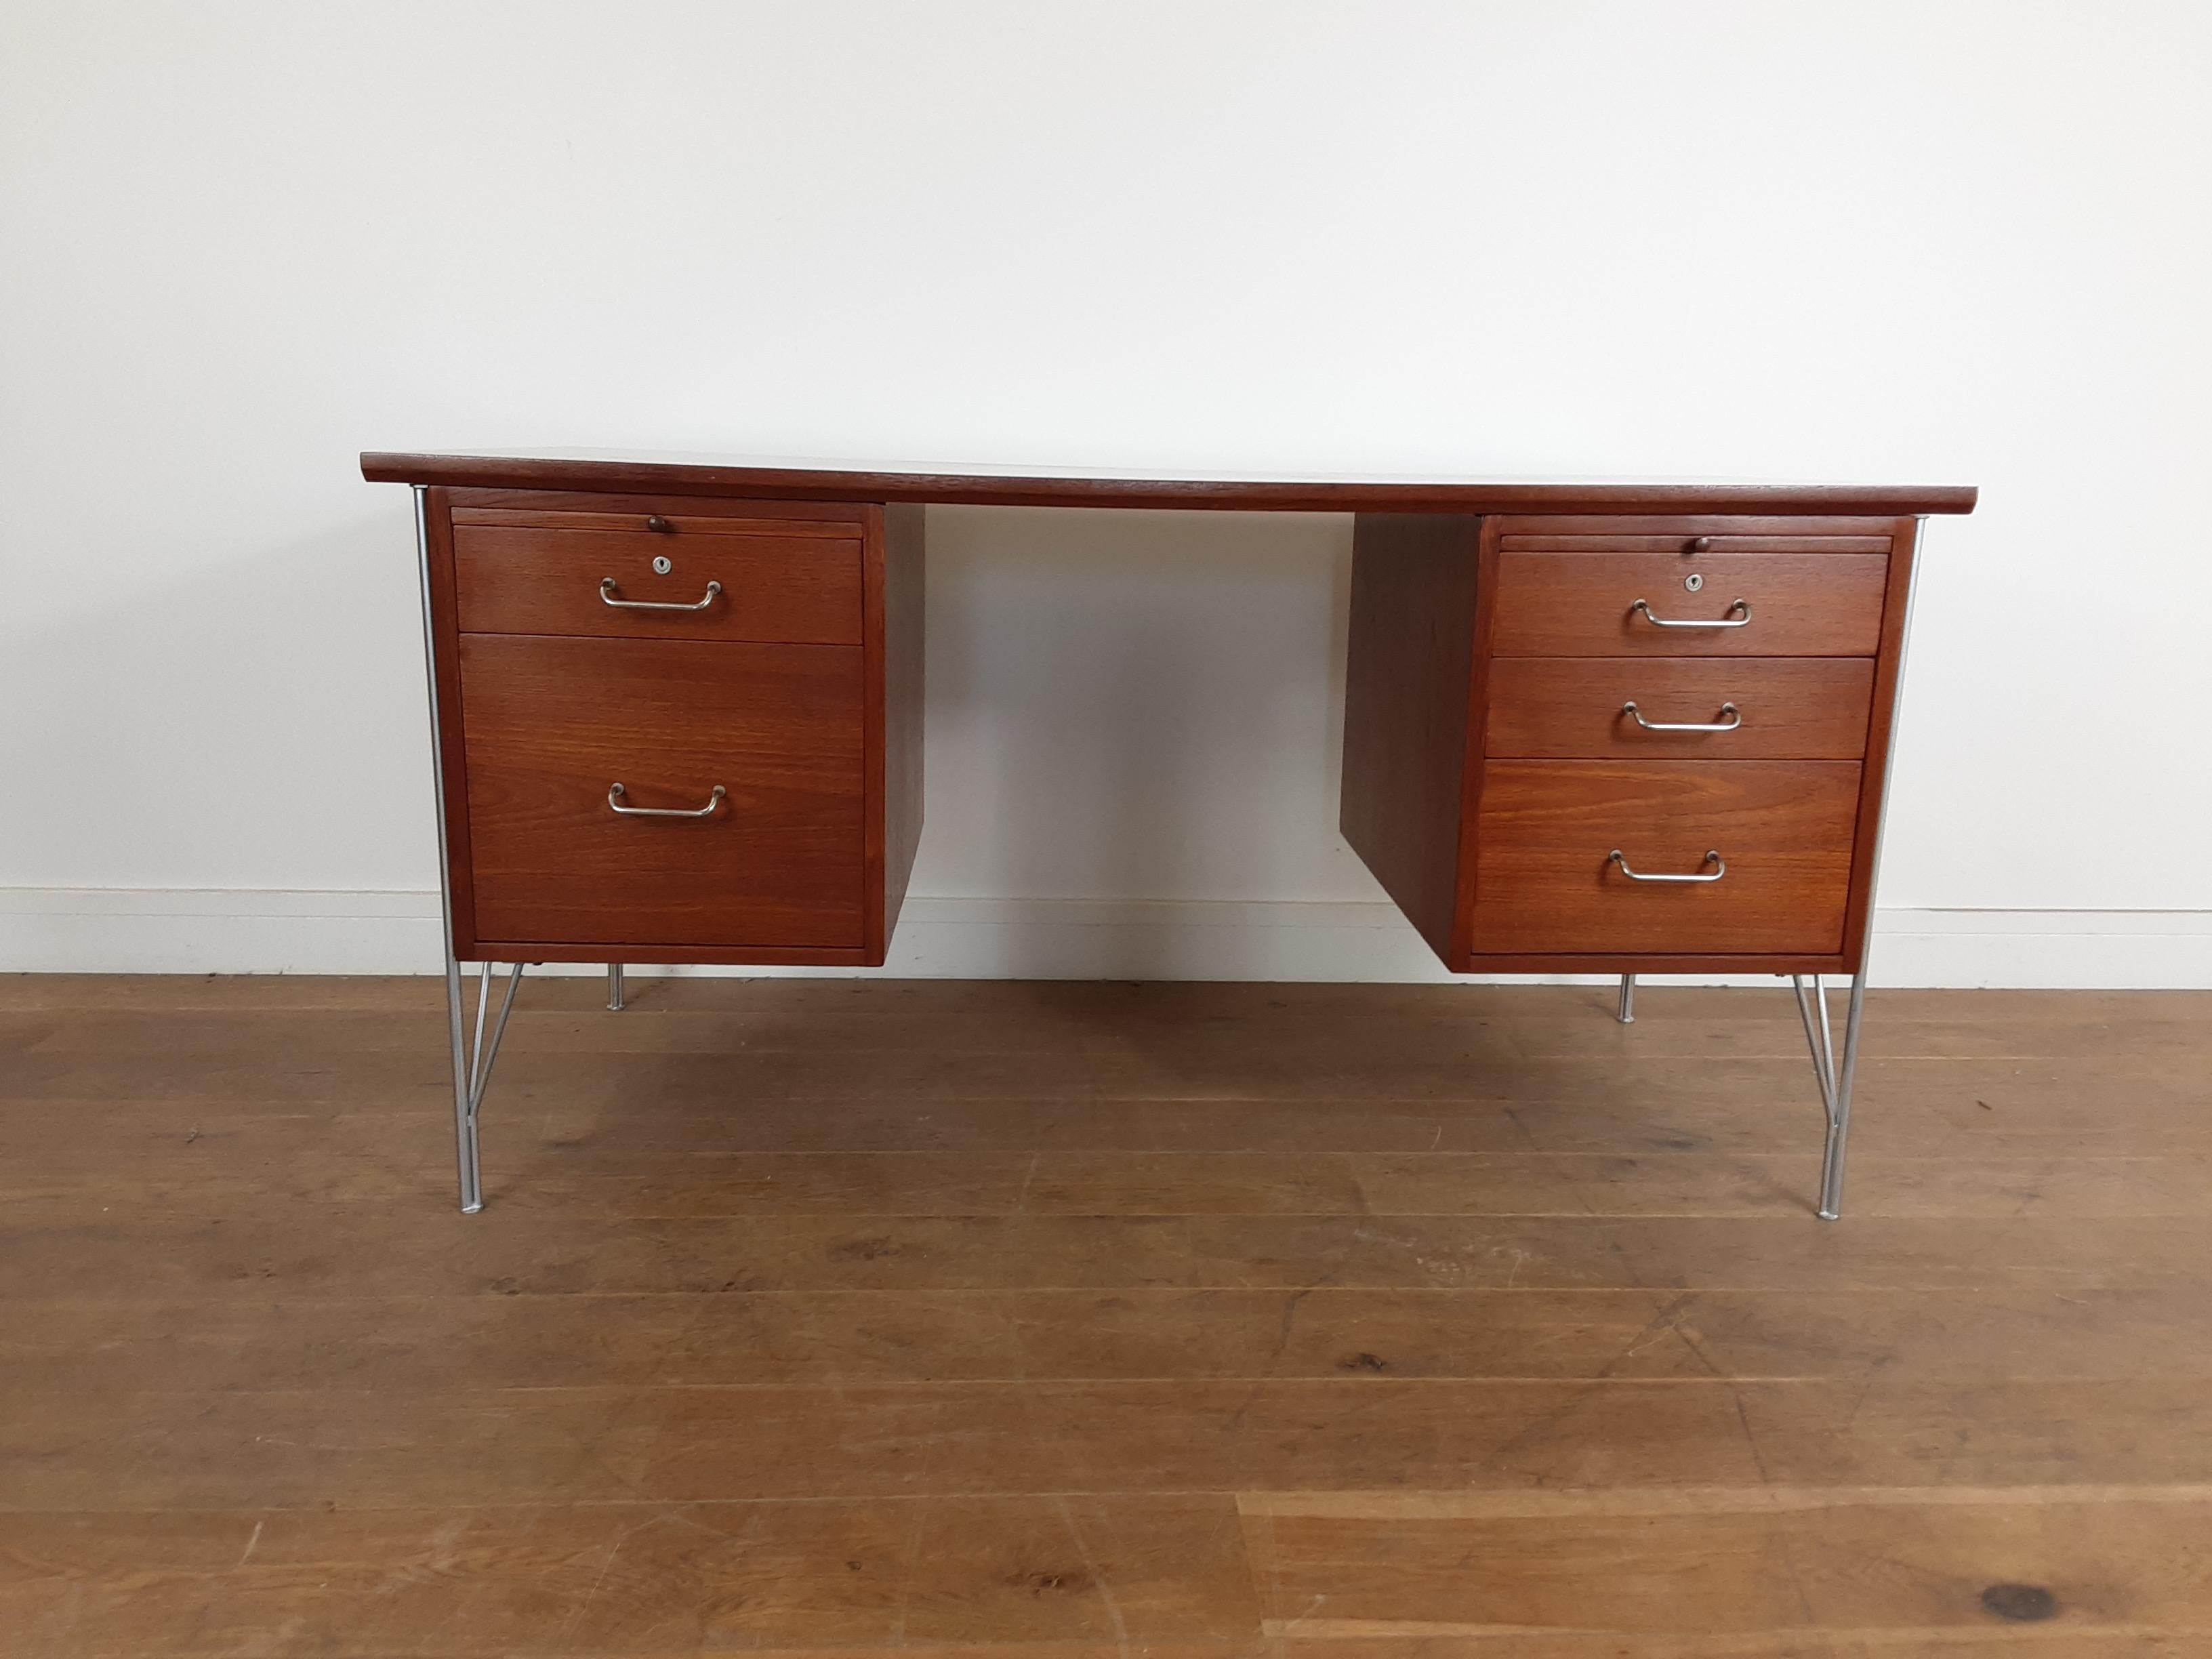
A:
{"x": 771, "y": 480}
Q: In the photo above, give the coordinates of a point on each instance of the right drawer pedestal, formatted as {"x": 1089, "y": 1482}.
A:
{"x": 1579, "y": 744}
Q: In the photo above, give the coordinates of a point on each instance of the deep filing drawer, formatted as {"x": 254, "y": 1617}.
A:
{"x": 1676, "y": 604}
{"x": 1547, "y": 880}
{"x": 654, "y": 576}
{"x": 774, "y": 861}
{"x": 1680, "y": 708}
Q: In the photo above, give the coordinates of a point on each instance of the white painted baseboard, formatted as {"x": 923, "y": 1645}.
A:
{"x": 107, "y": 930}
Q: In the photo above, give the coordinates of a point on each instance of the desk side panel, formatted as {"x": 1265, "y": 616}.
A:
{"x": 1408, "y": 695}
{"x": 1889, "y": 668}
{"x": 905, "y": 565}
{"x": 453, "y": 749}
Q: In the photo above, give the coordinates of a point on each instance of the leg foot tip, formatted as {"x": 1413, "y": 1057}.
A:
{"x": 1830, "y": 1215}
{"x": 475, "y": 1208}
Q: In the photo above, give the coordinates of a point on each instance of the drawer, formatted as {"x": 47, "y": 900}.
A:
{"x": 1735, "y": 541}
{"x": 1586, "y": 604}
{"x": 1694, "y": 534}
{"x": 1545, "y": 881}
{"x": 588, "y": 574}
{"x": 548, "y": 725}
{"x": 1775, "y": 707}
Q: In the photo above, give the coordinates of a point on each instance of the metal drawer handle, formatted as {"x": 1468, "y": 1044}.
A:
{"x": 1645, "y": 605}
{"x": 616, "y": 791}
{"x": 713, "y": 589}
{"x": 1714, "y": 859}
{"x": 1734, "y": 719}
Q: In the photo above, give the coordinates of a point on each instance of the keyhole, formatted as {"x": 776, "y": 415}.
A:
{"x": 1693, "y": 581}
{"x": 662, "y": 564}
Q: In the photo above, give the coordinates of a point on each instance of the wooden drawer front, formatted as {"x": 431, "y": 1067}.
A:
{"x": 1575, "y": 708}
{"x": 785, "y": 583}
{"x": 1545, "y": 882}
{"x": 1680, "y": 546}
{"x": 1582, "y": 604}
{"x": 549, "y": 724}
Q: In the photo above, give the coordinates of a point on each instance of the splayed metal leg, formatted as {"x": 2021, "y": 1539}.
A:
{"x": 1625, "y": 1013}
{"x": 1839, "y": 1117}
{"x": 465, "y": 1117}
{"x": 1836, "y": 1080}
{"x": 1817, "y": 1037}
{"x": 472, "y": 1063}
{"x": 614, "y": 987}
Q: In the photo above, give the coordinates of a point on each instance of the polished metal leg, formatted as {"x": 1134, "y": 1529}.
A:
{"x": 464, "y": 1092}
{"x": 1817, "y": 1037}
{"x": 472, "y": 1063}
{"x": 1835, "y": 1081}
{"x": 1839, "y": 1117}
{"x": 1625, "y": 1013}
{"x": 614, "y": 987}
{"x": 465, "y": 1117}
{"x": 485, "y": 1056}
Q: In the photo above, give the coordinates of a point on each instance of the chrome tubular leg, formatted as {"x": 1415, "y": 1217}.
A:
{"x": 1828, "y": 1037}
{"x": 614, "y": 987}
{"x": 476, "y": 1048}
{"x": 464, "y": 1116}
{"x": 472, "y": 1063}
{"x": 1839, "y": 1097}
{"x": 1625, "y": 1013}
{"x": 1840, "y": 1114}
{"x": 1817, "y": 1038}
{"x": 464, "y": 1119}
{"x": 485, "y": 1056}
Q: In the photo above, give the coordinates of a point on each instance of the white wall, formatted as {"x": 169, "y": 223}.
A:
{"x": 1886, "y": 239}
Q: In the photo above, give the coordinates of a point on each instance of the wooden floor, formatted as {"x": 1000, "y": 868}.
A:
{"x": 1321, "y": 1323}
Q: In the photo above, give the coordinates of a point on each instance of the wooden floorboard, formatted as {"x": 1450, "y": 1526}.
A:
{"x": 821, "y": 1318}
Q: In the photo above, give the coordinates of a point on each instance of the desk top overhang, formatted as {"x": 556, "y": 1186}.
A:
{"x": 794, "y": 482}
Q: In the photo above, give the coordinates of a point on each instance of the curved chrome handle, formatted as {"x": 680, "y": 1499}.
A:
{"x": 1734, "y": 719}
{"x": 1744, "y": 621}
{"x": 1714, "y": 859}
{"x": 607, "y": 597}
{"x": 614, "y": 792}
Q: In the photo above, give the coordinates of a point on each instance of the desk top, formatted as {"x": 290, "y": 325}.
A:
{"x": 801, "y": 481}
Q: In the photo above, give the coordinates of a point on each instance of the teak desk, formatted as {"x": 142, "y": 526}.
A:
{"x": 677, "y": 712}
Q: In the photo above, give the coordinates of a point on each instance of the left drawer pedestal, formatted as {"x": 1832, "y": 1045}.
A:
{"x": 728, "y": 664}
